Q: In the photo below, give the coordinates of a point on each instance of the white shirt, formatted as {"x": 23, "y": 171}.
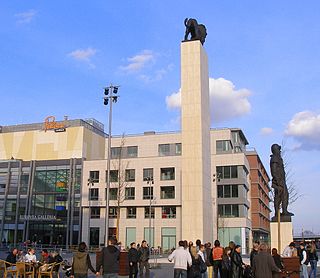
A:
{"x": 30, "y": 258}
{"x": 287, "y": 252}
{"x": 200, "y": 253}
{"x": 181, "y": 257}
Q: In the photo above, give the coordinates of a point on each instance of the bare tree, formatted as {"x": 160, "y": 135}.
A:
{"x": 120, "y": 166}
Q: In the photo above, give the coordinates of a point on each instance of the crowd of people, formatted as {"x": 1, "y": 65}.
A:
{"x": 204, "y": 261}
{"x": 190, "y": 260}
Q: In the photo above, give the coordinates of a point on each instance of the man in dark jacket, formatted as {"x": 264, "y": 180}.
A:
{"x": 81, "y": 263}
{"x": 12, "y": 257}
{"x": 263, "y": 263}
{"x": 109, "y": 259}
{"x": 133, "y": 258}
{"x": 144, "y": 259}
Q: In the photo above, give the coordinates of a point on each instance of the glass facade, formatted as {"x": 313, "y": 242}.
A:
{"x": 40, "y": 201}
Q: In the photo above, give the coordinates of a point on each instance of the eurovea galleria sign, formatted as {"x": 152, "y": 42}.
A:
{"x": 39, "y": 217}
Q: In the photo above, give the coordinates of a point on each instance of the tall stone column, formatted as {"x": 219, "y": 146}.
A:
{"x": 196, "y": 163}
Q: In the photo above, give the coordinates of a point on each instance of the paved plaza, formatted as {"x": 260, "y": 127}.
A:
{"x": 163, "y": 268}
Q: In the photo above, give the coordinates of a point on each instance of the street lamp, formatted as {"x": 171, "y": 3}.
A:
{"x": 109, "y": 98}
{"x": 150, "y": 182}
{"x": 90, "y": 184}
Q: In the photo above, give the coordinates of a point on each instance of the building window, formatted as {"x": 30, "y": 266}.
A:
{"x": 167, "y": 174}
{"x": 228, "y": 191}
{"x": 95, "y": 212}
{"x": 94, "y": 194}
{"x": 164, "y": 149}
{"x": 114, "y": 175}
{"x": 131, "y": 212}
{"x": 115, "y": 152}
{"x": 227, "y": 172}
{"x": 130, "y": 175}
{"x": 112, "y": 212}
{"x": 146, "y": 212}
{"x": 113, "y": 194}
{"x": 147, "y": 173}
{"x": 94, "y": 176}
{"x": 168, "y": 212}
{"x": 132, "y": 151}
{"x": 147, "y": 193}
{"x": 223, "y": 146}
{"x": 178, "y": 149}
{"x": 228, "y": 210}
{"x": 130, "y": 193}
{"x": 167, "y": 192}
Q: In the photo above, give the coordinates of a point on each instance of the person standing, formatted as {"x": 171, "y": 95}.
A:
{"x": 144, "y": 254}
{"x": 313, "y": 258}
{"x": 226, "y": 263}
{"x": 277, "y": 260}
{"x": 81, "y": 263}
{"x": 236, "y": 263}
{"x": 203, "y": 255}
{"x": 133, "y": 258}
{"x": 209, "y": 259}
{"x": 254, "y": 251}
{"x": 217, "y": 253}
{"x": 194, "y": 270}
{"x": 182, "y": 259}
{"x": 109, "y": 259}
{"x": 263, "y": 263}
{"x": 303, "y": 261}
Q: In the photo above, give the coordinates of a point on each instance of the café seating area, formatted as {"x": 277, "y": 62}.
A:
{"x": 29, "y": 270}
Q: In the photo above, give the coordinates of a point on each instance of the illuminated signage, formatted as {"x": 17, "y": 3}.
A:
{"x": 51, "y": 124}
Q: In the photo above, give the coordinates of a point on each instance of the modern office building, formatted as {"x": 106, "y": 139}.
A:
{"x": 158, "y": 156}
{"x": 260, "y": 198}
{"x": 40, "y": 178}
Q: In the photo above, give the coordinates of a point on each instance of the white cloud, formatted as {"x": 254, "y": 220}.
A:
{"x": 266, "y": 131}
{"x": 83, "y": 55}
{"x": 305, "y": 128}
{"x": 138, "y": 62}
{"x": 25, "y": 17}
{"x": 225, "y": 101}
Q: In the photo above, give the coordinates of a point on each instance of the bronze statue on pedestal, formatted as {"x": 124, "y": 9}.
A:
{"x": 281, "y": 194}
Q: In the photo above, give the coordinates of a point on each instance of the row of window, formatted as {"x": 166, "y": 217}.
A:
{"x": 166, "y": 212}
{"x": 166, "y": 192}
{"x": 229, "y": 210}
{"x": 132, "y": 151}
{"x": 130, "y": 175}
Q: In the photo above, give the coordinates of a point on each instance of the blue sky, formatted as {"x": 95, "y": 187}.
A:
{"x": 56, "y": 57}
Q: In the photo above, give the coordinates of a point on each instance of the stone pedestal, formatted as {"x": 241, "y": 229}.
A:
{"x": 286, "y": 235}
{"x": 196, "y": 155}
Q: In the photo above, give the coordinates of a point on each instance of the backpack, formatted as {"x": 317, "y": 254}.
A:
{"x": 203, "y": 266}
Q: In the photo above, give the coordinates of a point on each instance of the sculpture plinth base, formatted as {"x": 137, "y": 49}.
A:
{"x": 286, "y": 235}
{"x": 283, "y": 218}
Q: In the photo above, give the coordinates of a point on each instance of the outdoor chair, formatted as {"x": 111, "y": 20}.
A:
{"x": 47, "y": 270}
{"x": 8, "y": 269}
{"x": 25, "y": 270}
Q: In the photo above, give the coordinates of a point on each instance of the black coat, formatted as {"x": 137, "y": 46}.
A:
{"x": 11, "y": 258}
{"x": 133, "y": 255}
{"x": 109, "y": 260}
{"x": 194, "y": 270}
{"x": 236, "y": 265}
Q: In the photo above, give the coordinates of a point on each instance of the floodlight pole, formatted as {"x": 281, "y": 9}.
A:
{"x": 109, "y": 99}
